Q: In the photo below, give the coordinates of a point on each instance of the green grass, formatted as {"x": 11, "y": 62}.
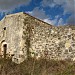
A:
{"x": 37, "y": 67}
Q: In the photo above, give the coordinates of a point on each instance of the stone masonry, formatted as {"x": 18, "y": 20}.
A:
{"x": 23, "y": 36}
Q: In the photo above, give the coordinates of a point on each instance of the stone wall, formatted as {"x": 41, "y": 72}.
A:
{"x": 12, "y": 35}
{"x": 49, "y": 41}
{"x": 27, "y": 36}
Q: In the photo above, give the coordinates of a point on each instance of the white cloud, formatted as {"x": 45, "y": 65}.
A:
{"x": 38, "y": 13}
{"x": 49, "y": 3}
{"x": 29, "y": 12}
{"x": 48, "y": 21}
{"x": 52, "y": 22}
{"x": 6, "y": 5}
{"x": 60, "y": 22}
{"x": 68, "y": 6}
{"x": 57, "y": 21}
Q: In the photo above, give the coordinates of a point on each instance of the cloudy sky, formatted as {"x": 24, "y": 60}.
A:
{"x": 55, "y": 12}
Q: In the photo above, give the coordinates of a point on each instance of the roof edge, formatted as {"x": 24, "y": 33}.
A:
{"x": 19, "y": 13}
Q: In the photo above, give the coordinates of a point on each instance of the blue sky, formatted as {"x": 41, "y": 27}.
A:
{"x": 55, "y": 12}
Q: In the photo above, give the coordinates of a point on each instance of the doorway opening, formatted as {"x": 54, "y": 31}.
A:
{"x": 4, "y": 50}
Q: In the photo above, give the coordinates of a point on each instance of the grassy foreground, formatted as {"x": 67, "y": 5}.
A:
{"x": 37, "y": 67}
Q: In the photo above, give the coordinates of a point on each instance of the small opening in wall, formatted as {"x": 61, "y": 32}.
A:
{"x": 4, "y": 28}
{"x": 5, "y": 49}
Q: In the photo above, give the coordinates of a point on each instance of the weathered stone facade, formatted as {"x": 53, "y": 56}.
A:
{"x": 22, "y": 35}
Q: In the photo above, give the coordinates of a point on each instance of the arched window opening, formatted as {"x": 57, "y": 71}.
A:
{"x": 5, "y": 50}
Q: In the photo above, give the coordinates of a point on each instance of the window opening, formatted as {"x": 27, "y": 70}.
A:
{"x": 5, "y": 49}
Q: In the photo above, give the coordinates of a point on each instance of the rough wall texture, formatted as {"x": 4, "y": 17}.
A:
{"x": 51, "y": 42}
{"x": 12, "y": 35}
{"x": 27, "y": 36}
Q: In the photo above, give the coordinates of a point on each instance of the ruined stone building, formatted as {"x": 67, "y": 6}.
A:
{"x": 22, "y": 35}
